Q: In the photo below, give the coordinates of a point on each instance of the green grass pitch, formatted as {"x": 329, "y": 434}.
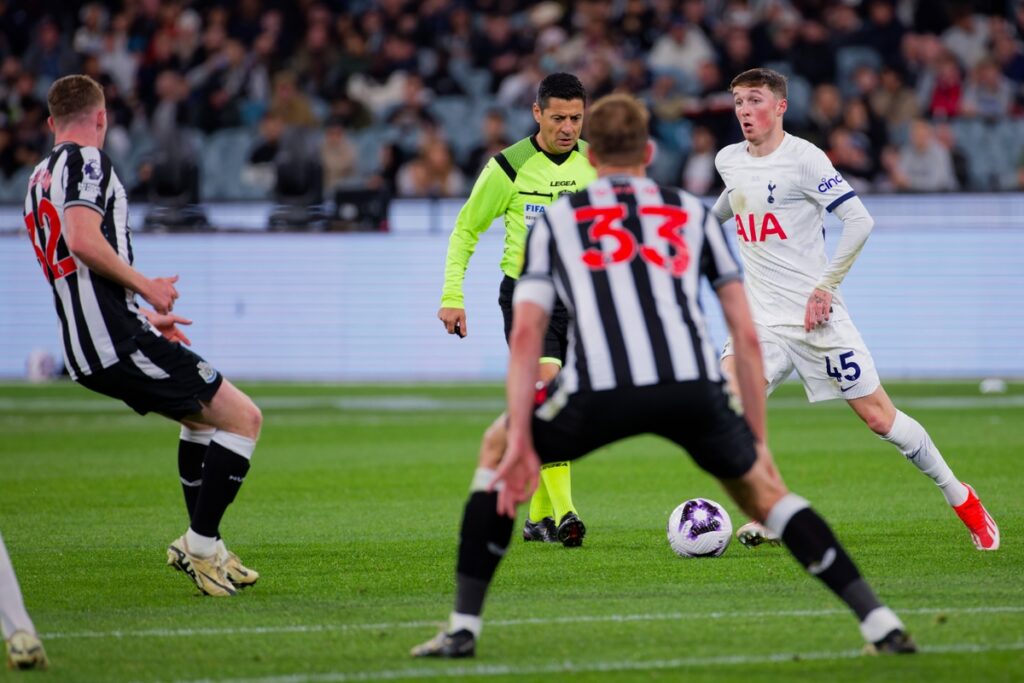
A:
{"x": 351, "y": 514}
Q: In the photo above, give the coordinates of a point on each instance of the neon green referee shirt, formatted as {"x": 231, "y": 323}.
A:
{"x": 520, "y": 182}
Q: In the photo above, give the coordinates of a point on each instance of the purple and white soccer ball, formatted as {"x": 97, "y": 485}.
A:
{"x": 699, "y": 528}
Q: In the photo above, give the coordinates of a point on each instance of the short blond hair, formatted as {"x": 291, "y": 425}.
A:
{"x": 72, "y": 96}
{"x": 617, "y": 130}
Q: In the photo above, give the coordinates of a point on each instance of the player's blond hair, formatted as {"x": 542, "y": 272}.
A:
{"x": 71, "y": 97}
{"x": 767, "y": 78}
{"x": 617, "y": 130}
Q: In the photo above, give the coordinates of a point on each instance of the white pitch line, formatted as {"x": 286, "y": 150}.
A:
{"x": 529, "y": 621}
{"x": 410, "y": 403}
{"x": 492, "y": 670}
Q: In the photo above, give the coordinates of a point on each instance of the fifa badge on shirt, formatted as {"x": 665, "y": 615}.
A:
{"x": 771, "y": 188}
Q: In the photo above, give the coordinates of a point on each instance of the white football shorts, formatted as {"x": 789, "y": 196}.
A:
{"x": 832, "y": 360}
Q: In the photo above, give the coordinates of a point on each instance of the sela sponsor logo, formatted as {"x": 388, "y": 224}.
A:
{"x": 92, "y": 171}
{"x": 85, "y": 188}
{"x": 827, "y": 183}
{"x": 769, "y": 226}
{"x": 206, "y": 371}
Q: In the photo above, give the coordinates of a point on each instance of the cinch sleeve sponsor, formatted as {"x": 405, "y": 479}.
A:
{"x": 823, "y": 184}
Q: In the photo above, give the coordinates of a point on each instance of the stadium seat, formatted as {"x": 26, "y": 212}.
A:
{"x": 298, "y": 192}
{"x": 174, "y": 188}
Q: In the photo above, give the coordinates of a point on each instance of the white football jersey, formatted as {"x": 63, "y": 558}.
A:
{"x": 778, "y": 204}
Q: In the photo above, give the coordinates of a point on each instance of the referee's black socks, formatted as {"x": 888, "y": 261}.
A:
{"x": 483, "y": 540}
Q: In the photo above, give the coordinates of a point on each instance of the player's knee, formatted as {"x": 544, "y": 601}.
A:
{"x": 493, "y": 445}
{"x": 877, "y": 421}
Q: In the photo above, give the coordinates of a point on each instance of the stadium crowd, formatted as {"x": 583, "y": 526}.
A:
{"x": 412, "y": 97}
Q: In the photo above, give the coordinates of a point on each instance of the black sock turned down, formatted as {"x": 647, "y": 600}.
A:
{"x": 484, "y": 538}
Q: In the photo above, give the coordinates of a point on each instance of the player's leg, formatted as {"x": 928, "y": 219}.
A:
{"x": 893, "y": 425}
{"x": 484, "y": 535}
{"x": 724, "y": 446}
{"x": 236, "y": 422}
{"x": 777, "y": 367}
{"x": 24, "y": 649}
{"x": 555, "y": 476}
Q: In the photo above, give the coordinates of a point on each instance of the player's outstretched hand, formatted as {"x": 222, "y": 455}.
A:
{"x": 454, "y": 320}
{"x": 167, "y": 325}
{"x": 519, "y": 471}
{"x": 819, "y": 305}
{"x": 161, "y": 294}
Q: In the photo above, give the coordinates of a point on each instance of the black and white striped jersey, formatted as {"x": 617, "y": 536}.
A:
{"x": 626, "y": 256}
{"x": 98, "y": 317}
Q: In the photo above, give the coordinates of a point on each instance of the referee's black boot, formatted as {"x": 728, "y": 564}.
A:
{"x": 571, "y": 530}
{"x": 896, "y": 642}
{"x": 447, "y": 645}
{"x": 544, "y": 530}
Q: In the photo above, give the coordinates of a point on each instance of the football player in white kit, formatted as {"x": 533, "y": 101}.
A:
{"x": 777, "y": 190}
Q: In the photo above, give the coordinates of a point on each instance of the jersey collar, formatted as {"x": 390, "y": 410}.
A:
{"x": 557, "y": 159}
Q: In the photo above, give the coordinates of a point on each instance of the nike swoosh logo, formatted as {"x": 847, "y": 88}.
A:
{"x": 845, "y": 389}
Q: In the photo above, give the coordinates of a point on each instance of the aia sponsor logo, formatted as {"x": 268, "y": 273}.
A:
{"x": 753, "y": 232}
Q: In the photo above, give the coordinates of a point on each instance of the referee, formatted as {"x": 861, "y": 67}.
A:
{"x": 628, "y": 256}
{"x": 519, "y": 184}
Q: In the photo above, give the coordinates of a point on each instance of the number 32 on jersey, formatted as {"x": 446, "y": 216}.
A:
{"x": 607, "y": 223}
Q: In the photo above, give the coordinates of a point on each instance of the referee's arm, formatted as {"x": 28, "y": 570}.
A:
{"x": 491, "y": 196}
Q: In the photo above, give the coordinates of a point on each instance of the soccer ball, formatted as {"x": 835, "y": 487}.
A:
{"x": 699, "y": 528}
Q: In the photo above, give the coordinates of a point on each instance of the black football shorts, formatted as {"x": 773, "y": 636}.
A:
{"x": 556, "y": 340}
{"x": 160, "y": 377}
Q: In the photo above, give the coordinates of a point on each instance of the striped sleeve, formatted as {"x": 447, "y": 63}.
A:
{"x": 536, "y": 284}
{"x": 87, "y": 174}
{"x": 717, "y": 262}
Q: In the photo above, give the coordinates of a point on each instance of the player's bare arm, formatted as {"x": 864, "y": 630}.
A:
{"x": 520, "y": 467}
{"x": 85, "y": 240}
{"x": 454, "y": 320}
{"x": 749, "y": 369}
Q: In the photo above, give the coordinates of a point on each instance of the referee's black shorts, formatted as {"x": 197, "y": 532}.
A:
{"x": 696, "y": 415}
{"x": 161, "y": 377}
{"x": 556, "y": 340}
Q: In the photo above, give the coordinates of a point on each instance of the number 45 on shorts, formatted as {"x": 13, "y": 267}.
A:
{"x": 846, "y": 365}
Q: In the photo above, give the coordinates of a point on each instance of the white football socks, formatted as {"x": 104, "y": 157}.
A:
{"x": 201, "y": 546}
{"x": 13, "y": 616}
{"x": 909, "y": 436}
{"x": 469, "y": 622}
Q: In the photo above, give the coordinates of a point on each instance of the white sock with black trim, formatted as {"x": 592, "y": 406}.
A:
{"x": 910, "y": 437}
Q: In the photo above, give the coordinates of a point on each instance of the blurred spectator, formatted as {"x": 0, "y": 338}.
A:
{"x": 894, "y": 102}
{"x": 737, "y": 52}
{"x": 48, "y": 56}
{"x": 988, "y": 94}
{"x": 290, "y": 105}
{"x": 316, "y": 64}
{"x": 115, "y": 59}
{"x": 699, "y": 175}
{"x": 883, "y": 32}
{"x": 260, "y": 171}
{"x": 338, "y": 156}
{"x": 353, "y": 114}
{"x": 867, "y": 132}
{"x": 432, "y": 173}
{"x": 493, "y": 140}
{"x": 170, "y": 113}
{"x": 941, "y": 88}
{"x": 947, "y": 138}
{"x": 520, "y": 89}
{"x": 497, "y": 48}
{"x": 922, "y": 165}
{"x": 813, "y": 56}
{"x": 683, "y": 48}
{"x": 967, "y": 39}
{"x": 826, "y": 113}
{"x": 848, "y": 154}
{"x": 89, "y": 38}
